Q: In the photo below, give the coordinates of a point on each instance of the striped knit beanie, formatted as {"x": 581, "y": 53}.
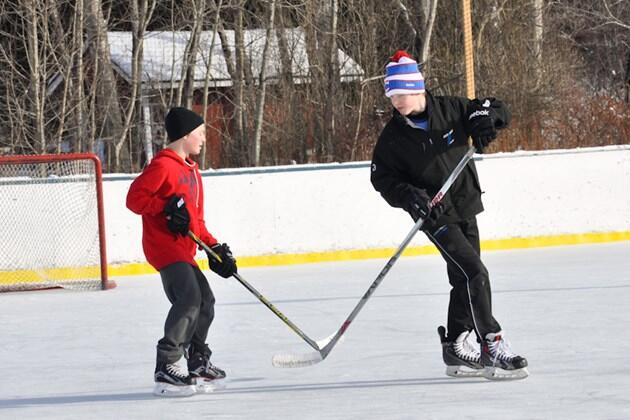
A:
{"x": 402, "y": 76}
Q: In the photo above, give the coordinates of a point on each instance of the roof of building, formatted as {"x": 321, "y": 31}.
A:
{"x": 164, "y": 54}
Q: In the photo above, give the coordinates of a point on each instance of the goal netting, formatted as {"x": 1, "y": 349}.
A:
{"x": 51, "y": 212}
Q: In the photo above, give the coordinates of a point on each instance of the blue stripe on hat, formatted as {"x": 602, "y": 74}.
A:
{"x": 407, "y": 68}
{"x": 404, "y": 84}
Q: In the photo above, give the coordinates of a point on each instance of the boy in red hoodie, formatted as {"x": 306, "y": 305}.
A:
{"x": 168, "y": 195}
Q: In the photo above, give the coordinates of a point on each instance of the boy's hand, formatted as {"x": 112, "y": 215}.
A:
{"x": 417, "y": 205}
{"x": 177, "y": 217}
{"x": 227, "y": 267}
{"x": 480, "y": 123}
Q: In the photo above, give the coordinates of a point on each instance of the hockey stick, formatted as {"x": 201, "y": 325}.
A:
{"x": 326, "y": 345}
{"x": 256, "y": 293}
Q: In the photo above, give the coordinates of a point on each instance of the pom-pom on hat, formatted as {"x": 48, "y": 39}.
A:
{"x": 181, "y": 121}
{"x": 402, "y": 76}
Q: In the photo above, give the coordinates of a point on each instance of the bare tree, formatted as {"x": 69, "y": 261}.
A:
{"x": 627, "y": 78}
{"x": 329, "y": 23}
{"x": 79, "y": 75}
{"x": 206, "y": 82}
{"x": 600, "y": 31}
{"x": 141, "y": 12}
{"x": 320, "y": 26}
{"x": 553, "y": 62}
{"x": 421, "y": 28}
{"x": 235, "y": 62}
{"x": 189, "y": 64}
{"x": 430, "y": 11}
{"x": 538, "y": 38}
{"x": 37, "y": 73}
{"x": 108, "y": 114}
{"x": 262, "y": 87}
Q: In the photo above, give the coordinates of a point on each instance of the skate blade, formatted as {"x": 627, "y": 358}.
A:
{"x": 205, "y": 386}
{"x": 498, "y": 374}
{"x": 463, "y": 372}
{"x": 168, "y": 390}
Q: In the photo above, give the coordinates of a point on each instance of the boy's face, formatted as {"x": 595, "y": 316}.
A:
{"x": 409, "y": 104}
{"x": 195, "y": 140}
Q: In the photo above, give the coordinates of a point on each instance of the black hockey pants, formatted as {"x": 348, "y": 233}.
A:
{"x": 191, "y": 313}
{"x": 470, "y": 305}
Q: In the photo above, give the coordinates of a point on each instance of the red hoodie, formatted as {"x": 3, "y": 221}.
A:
{"x": 168, "y": 175}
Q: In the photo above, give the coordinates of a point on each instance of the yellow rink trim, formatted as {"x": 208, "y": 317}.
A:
{"x": 555, "y": 240}
{"x": 47, "y": 275}
{"x": 129, "y": 269}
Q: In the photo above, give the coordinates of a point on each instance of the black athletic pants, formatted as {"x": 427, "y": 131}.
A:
{"x": 191, "y": 313}
{"x": 470, "y": 305}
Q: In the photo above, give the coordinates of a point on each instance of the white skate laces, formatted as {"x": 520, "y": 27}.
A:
{"x": 464, "y": 349}
{"x": 461, "y": 357}
{"x": 176, "y": 370}
{"x": 172, "y": 381}
{"x": 499, "y": 362}
{"x": 499, "y": 348}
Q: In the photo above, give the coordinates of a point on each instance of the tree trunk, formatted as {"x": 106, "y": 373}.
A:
{"x": 238, "y": 83}
{"x": 36, "y": 100}
{"x": 79, "y": 78}
{"x": 141, "y": 14}
{"x": 286, "y": 74}
{"x": 406, "y": 18}
{"x": 191, "y": 60}
{"x": 428, "y": 31}
{"x": 262, "y": 85}
{"x": 538, "y": 39}
{"x": 333, "y": 81}
{"x": 107, "y": 112}
{"x": 320, "y": 28}
{"x": 230, "y": 145}
{"x": 63, "y": 62}
{"x": 206, "y": 82}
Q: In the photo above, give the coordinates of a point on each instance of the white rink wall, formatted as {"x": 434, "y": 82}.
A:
{"x": 318, "y": 208}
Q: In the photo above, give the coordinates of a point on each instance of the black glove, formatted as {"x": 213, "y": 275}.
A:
{"x": 480, "y": 123}
{"x": 177, "y": 217}
{"x": 227, "y": 267}
{"x": 416, "y": 203}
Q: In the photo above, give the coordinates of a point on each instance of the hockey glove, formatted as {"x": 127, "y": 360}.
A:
{"x": 227, "y": 267}
{"x": 416, "y": 203}
{"x": 177, "y": 217}
{"x": 480, "y": 123}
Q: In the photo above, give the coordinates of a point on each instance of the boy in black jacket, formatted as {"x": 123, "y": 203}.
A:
{"x": 415, "y": 153}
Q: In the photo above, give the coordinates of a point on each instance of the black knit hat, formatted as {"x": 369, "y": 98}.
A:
{"x": 181, "y": 121}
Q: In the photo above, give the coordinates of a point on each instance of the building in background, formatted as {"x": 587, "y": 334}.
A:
{"x": 164, "y": 67}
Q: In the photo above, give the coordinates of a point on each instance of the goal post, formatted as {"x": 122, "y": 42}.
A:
{"x": 52, "y": 226}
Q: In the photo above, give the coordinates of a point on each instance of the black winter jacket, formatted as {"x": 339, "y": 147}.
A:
{"x": 405, "y": 155}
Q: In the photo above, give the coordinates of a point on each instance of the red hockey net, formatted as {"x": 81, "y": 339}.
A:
{"x": 53, "y": 232}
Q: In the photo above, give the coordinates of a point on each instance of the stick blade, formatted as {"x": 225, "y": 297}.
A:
{"x": 288, "y": 360}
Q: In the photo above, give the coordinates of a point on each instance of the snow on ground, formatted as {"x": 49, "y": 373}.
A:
{"x": 90, "y": 355}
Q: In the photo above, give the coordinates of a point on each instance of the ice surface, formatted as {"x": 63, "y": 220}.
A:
{"x": 90, "y": 355}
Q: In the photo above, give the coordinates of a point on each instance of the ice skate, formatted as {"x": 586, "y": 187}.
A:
{"x": 498, "y": 360}
{"x": 461, "y": 358}
{"x": 171, "y": 381}
{"x": 206, "y": 377}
